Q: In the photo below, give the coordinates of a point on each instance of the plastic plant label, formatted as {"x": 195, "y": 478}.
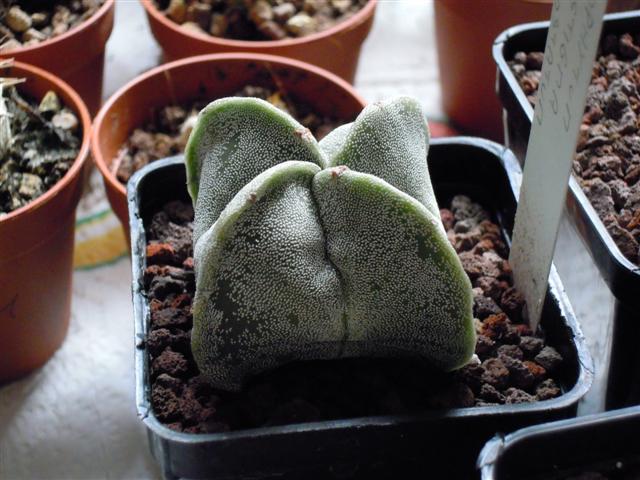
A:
{"x": 571, "y": 47}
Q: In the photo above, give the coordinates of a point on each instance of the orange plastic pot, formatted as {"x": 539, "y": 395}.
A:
{"x": 207, "y": 77}
{"x": 465, "y": 31}
{"x": 36, "y": 250}
{"x": 336, "y": 49}
{"x": 76, "y": 56}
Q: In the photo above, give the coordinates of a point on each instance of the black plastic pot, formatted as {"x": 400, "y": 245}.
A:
{"x": 443, "y": 443}
{"x": 558, "y": 450}
{"x": 620, "y": 275}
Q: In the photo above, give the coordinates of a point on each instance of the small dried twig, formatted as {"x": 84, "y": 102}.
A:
{"x": 6, "y": 137}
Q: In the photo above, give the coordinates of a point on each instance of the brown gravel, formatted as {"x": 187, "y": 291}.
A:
{"x": 28, "y": 22}
{"x": 513, "y": 366}
{"x": 167, "y": 133}
{"x": 607, "y": 161}
{"x": 258, "y": 19}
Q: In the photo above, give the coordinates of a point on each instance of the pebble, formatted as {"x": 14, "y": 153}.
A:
{"x": 17, "y": 19}
{"x": 300, "y": 24}
{"x": 548, "y": 358}
{"x": 177, "y": 11}
{"x": 65, "y": 120}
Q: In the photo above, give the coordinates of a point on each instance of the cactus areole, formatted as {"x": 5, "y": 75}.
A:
{"x": 307, "y": 250}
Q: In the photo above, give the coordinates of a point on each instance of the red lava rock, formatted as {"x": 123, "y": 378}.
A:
{"x": 160, "y": 253}
{"x": 515, "y": 395}
{"x": 161, "y": 287}
{"x": 171, "y": 363}
{"x": 495, "y": 373}
{"x": 531, "y": 346}
{"x": 519, "y": 374}
{"x": 510, "y": 351}
{"x": 490, "y": 286}
{"x": 484, "y": 306}
{"x": 181, "y": 301}
{"x": 548, "y": 358}
{"x": 166, "y": 405}
{"x": 494, "y": 325}
{"x": 490, "y": 394}
{"x": 536, "y": 370}
{"x": 157, "y": 340}
{"x": 155, "y": 305}
{"x": 169, "y": 317}
{"x": 512, "y": 302}
{"x": 511, "y": 336}
{"x": 190, "y": 407}
{"x": 547, "y": 389}
{"x": 484, "y": 347}
{"x": 166, "y": 381}
{"x": 522, "y": 329}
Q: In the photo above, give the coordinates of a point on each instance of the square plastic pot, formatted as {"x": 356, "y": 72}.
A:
{"x": 566, "y": 448}
{"x": 444, "y": 443}
{"x": 621, "y": 276}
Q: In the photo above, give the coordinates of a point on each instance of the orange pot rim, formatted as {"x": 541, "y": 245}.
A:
{"x": 80, "y": 109}
{"x": 349, "y": 24}
{"x": 103, "y": 163}
{"x": 95, "y": 18}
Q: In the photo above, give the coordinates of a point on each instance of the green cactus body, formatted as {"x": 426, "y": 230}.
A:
{"x": 326, "y": 250}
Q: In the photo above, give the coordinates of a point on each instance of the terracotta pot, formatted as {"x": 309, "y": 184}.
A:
{"x": 36, "y": 245}
{"x": 76, "y": 56}
{"x": 336, "y": 49}
{"x": 465, "y": 31}
{"x": 210, "y": 77}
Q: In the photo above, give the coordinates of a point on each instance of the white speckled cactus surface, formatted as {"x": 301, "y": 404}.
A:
{"x": 307, "y": 250}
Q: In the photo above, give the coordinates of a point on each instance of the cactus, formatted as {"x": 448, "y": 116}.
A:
{"x": 307, "y": 250}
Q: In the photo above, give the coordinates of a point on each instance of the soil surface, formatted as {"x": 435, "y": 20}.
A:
{"x": 24, "y": 23}
{"x": 513, "y": 364}
{"x": 258, "y": 19}
{"x": 169, "y": 130}
{"x": 43, "y": 143}
{"x": 607, "y": 161}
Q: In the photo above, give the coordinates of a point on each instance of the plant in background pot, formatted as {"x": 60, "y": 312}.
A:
{"x": 328, "y": 308}
{"x": 45, "y": 142}
{"x": 66, "y": 38}
{"x": 151, "y": 117}
{"x": 328, "y": 34}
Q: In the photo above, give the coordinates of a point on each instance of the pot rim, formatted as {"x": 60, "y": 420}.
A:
{"x": 80, "y": 109}
{"x": 95, "y": 18}
{"x": 496, "y": 447}
{"x": 570, "y": 397}
{"x": 349, "y": 24}
{"x": 620, "y": 262}
{"x": 103, "y": 163}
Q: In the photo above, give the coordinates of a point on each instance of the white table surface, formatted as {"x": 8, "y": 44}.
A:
{"x": 75, "y": 418}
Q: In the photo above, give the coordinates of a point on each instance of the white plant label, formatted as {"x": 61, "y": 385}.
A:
{"x": 571, "y": 47}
